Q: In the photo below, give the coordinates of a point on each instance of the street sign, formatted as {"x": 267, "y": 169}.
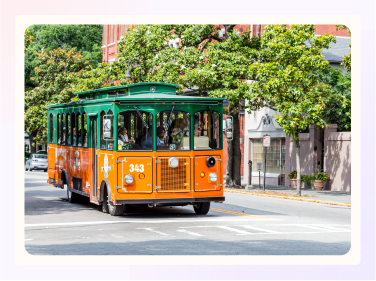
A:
{"x": 259, "y": 166}
{"x": 266, "y": 142}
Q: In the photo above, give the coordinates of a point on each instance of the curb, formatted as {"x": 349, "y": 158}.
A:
{"x": 291, "y": 198}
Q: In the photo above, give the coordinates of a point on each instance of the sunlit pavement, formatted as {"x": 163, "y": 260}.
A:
{"x": 242, "y": 225}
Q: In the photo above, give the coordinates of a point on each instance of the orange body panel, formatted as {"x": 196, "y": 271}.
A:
{"x": 112, "y": 166}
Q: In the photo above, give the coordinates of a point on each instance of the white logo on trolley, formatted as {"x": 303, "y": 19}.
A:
{"x": 106, "y": 168}
{"x": 137, "y": 168}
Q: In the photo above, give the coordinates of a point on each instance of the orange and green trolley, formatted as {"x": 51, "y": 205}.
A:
{"x": 138, "y": 144}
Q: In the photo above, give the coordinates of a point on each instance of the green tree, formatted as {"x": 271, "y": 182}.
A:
{"x": 28, "y": 39}
{"x": 85, "y": 38}
{"x": 289, "y": 79}
{"x": 200, "y": 60}
{"x": 346, "y": 61}
{"x": 54, "y": 76}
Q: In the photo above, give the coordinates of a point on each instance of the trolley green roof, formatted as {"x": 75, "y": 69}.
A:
{"x": 148, "y": 92}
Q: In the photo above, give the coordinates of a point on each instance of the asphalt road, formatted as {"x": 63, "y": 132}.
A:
{"x": 242, "y": 225}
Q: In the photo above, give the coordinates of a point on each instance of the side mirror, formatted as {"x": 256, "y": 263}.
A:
{"x": 107, "y": 127}
{"x": 228, "y": 129}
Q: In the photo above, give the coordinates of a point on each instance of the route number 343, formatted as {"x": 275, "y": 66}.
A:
{"x": 137, "y": 168}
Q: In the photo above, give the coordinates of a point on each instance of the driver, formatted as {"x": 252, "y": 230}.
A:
{"x": 180, "y": 132}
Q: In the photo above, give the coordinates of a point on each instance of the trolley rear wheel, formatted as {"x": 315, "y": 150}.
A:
{"x": 72, "y": 197}
{"x": 116, "y": 210}
{"x": 201, "y": 208}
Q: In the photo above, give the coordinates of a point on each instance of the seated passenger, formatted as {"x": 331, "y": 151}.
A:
{"x": 122, "y": 136}
{"x": 160, "y": 135}
{"x": 180, "y": 132}
{"x": 147, "y": 140}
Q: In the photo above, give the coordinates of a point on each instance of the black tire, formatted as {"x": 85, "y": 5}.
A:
{"x": 72, "y": 197}
{"x": 25, "y": 168}
{"x": 116, "y": 210}
{"x": 105, "y": 202}
{"x": 201, "y": 208}
{"x": 45, "y": 171}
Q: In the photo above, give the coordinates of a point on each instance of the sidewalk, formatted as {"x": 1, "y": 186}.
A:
{"x": 318, "y": 196}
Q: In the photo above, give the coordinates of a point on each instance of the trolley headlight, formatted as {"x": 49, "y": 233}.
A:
{"x": 213, "y": 177}
{"x": 128, "y": 179}
{"x": 173, "y": 162}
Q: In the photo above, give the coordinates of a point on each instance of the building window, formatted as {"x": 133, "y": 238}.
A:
{"x": 273, "y": 155}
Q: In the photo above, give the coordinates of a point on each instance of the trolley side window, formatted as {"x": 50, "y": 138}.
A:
{"x": 51, "y": 128}
{"x": 173, "y": 130}
{"x": 107, "y": 130}
{"x": 84, "y": 129}
{"x": 207, "y": 130}
{"x": 63, "y": 130}
{"x": 79, "y": 129}
{"x": 58, "y": 129}
{"x": 69, "y": 130}
{"x": 135, "y": 130}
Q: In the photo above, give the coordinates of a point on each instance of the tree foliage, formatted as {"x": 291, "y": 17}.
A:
{"x": 201, "y": 60}
{"x": 289, "y": 79}
{"x": 346, "y": 61}
{"x": 55, "y": 74}
{"x": 85, "y": 38}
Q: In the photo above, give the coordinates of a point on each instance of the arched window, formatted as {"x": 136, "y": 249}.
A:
{"x": 69, "y": 129}
{"x": 134, "y": 133}
{"x": 58, "y": 129}
{"x": 79, "y": 129}
{"x": 63, "y": 130}
{"x": 173, "y": 130}
{"x": 207, "y": 130}
{"x": 84, "y": 129}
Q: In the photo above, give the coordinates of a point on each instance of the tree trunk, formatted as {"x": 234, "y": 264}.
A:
{"x": 234, "y": 156}
{"x": 298, "y": 178}
{"x": 236, "y": 153}
{"x": 33, "y": 147}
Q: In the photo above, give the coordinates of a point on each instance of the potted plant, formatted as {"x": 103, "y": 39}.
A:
{"x": 320, "y": 179}
{"x": 292, "y": 177}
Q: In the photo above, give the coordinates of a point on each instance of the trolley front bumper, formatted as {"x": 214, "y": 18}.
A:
{"x": 170, "y": 200}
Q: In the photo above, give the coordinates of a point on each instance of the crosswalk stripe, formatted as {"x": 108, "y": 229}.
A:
{"x": 155, "y": 231}
{"x": 260, "y": 229}
{"x": 189, "y": 232}
{"x": 234, "y": 229}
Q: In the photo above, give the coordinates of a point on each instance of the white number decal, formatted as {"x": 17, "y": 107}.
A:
{"x": 137, "y": 168}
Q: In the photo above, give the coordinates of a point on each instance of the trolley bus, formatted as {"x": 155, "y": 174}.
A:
{"x": 138, "y": 144}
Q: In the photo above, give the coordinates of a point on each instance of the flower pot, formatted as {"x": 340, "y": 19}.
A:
{"x": 318, "y": 185}
{"x": 294, "y": 183}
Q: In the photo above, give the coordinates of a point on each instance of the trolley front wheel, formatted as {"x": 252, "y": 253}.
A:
{"x": 201, "y": 208}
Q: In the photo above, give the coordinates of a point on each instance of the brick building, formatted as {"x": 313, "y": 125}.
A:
{"x": 113, "y": 33}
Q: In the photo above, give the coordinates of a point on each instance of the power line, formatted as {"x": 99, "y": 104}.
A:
{"x": 60, "y": 59}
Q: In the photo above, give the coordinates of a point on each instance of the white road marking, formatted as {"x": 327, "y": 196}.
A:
{"x": 155, "y": 231}
{"x": 28, "y": 239}
{"x": 330, "y": 227}
{"x": 260, "y": 229}
{"x": 316, "y": 227}
{"x": 232, "y": 219}
{"x": 189, "y": 232}
{"x": 240, "y": 232}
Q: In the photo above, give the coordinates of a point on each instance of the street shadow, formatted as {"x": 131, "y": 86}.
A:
{"x": 196, "y": 247}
